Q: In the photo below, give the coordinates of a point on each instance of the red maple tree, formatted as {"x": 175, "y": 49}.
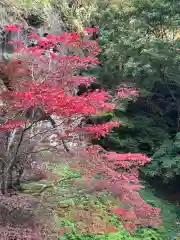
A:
{"x": 48, "y": 81}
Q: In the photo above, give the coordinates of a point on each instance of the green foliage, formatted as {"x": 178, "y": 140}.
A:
{"x": 30, "y": 6}
{"x": 170, "y": 213}
{"x": 137, "y": 132}
{"x": 149, "y": 234}
{"x": 138, "y": 42}
{"x": 78, "y": 15}
{"x": 166, "y": 161}
{"x": 65, "y": 171}
{"x": 146, "y": 234}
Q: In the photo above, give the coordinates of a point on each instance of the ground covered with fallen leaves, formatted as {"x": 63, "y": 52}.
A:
{"x": 80, "y": 215}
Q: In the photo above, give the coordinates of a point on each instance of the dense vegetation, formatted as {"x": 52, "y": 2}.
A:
{"x": 140, "y": 49}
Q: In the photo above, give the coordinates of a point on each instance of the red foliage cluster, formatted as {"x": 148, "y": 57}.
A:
{"x": 9, "y": 125}
{"x": 121, "y": 177}
{"x": 124, "y": 92}
{"x": 51, "y": 86}
{"x": 101, "y": 130}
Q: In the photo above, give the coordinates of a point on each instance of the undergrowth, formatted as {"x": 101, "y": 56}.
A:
{"x": 78, "y": 214}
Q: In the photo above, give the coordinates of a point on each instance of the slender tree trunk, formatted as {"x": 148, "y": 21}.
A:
{"x": 2, "y": 176}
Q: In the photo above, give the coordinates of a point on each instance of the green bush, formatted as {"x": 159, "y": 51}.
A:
{"x": 165, "y": 162}
{"x": 146, "y": 234}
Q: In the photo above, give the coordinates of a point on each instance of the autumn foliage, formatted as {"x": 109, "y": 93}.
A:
{"x": 49, "y": 81}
